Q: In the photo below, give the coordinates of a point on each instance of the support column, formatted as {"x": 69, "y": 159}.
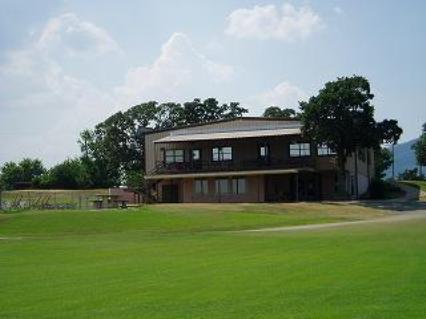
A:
{"x": 296, "y": 186}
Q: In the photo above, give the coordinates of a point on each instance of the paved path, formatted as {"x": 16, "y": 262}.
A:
{"x": 389, "y": 219}
{"x": 406, "y": 208}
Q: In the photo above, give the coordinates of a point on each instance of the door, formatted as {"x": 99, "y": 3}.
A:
{"x": 170, "y": 193}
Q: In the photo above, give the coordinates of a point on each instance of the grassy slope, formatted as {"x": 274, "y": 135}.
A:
{"x": 151, "y": 264}
{"x": 421, "y": 185}
{"x": 177, "y": 218}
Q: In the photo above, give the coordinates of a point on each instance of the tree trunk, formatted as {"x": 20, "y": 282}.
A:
{"x": 356, "y": 172}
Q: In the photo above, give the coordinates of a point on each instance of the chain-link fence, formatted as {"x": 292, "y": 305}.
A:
{"x": 24, "y": 200}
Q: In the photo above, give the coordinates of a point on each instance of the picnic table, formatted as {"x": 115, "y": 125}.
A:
{"x": 109, "y": 201}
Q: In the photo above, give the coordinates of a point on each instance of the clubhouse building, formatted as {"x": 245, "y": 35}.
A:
{"x": 248, "y": 159}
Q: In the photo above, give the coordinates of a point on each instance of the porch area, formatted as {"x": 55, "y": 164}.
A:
{"x": 289, "y": 186}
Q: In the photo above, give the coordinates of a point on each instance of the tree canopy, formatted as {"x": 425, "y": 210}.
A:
{"x": 342, "y": 116}
{"x": 115, "y": 147}
{"x": 277, "y": 112}
{"x": 25, "y": 171}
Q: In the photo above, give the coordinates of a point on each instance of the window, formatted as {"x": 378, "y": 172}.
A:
{"x": 201, "y": 186}
{"x": 174, "y": 156}
{"x": 222, "y": 186}
{"x": 239, "y": 186}
{"x": 196, "y": 155}
{"x": 324, "y": 150}
{"x": 222, "y": 154}
{"x": 300, "y": 149}
{"x": 263, "y": 151}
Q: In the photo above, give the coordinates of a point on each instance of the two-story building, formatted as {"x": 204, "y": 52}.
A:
{"x": 249, "y": 159}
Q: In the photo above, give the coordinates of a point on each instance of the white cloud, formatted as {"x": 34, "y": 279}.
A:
{"x": 284, "y": 94}
{"x": 179, "y": 67}
{"x": 269, "y": 22}
{"x": 44, "y": 105}
{"x": 75, "y": 36}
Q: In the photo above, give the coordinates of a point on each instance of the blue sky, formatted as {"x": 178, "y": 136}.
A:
{"x": 66, "y": 65}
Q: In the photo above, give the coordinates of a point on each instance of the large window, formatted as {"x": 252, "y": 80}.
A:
{"x": 174, "y": 156}
{"x": 222, "y": 186}
{"x": 239, "y": 186}
{"x": 222, "y": 154}
{"x": 300, "y": 149}
{"x": 201, "y": 186}
{"x": 324, "y": 150}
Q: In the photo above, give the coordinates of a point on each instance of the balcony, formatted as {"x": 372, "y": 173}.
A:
{"x": 211, "y": 166}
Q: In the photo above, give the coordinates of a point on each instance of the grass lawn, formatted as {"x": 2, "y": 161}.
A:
{"x": 169, "y": 261}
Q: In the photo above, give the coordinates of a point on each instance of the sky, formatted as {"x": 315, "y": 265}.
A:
{"x": 67, "y": 65}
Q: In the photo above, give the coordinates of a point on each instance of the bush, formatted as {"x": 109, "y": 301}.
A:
{"x": 411, "y": 175}
{"x": 380, "y": 189}
{"x": 377, "y": 189}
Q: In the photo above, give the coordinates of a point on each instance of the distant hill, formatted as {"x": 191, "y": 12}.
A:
{"x": 404, "y": 158}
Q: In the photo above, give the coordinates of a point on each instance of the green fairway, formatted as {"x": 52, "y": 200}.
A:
{"x": 173, "y": 261}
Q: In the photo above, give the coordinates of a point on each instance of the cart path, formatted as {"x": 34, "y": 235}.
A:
{"x": 389, "y": 219}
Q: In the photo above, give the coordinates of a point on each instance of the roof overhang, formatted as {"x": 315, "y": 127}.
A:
{"x": 229, "y": 173}
{"x": 228, "y": 135}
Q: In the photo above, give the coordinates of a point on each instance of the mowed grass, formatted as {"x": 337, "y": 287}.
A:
{"x": 170, "y": 261}
{"x": 169, "y": 218}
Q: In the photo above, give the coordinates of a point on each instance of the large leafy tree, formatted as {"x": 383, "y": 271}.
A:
{"x": 390, "y": 132}
{"x": 114, "y": 150}
{"x": 342, "y": 116}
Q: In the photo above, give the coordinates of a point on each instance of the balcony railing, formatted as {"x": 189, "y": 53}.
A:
{"x": 212, "y": 166}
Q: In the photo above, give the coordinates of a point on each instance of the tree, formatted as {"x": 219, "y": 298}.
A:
{"x": 390, "y": 132}
{"x": 276, "y": 112}
{"x": 70, "y": 174}
{"x": 410, "y": 175}
{"x": 383, "y": 159}
{"x": 26, "y": 171}
{"x": 115, "y": 147}
{"x": 342, "y": 116}
{"x": 419, "y": 148}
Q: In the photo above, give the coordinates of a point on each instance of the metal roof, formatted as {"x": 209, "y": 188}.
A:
{"x": 228, "y": 135}
{"x": 242, "y": 118}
